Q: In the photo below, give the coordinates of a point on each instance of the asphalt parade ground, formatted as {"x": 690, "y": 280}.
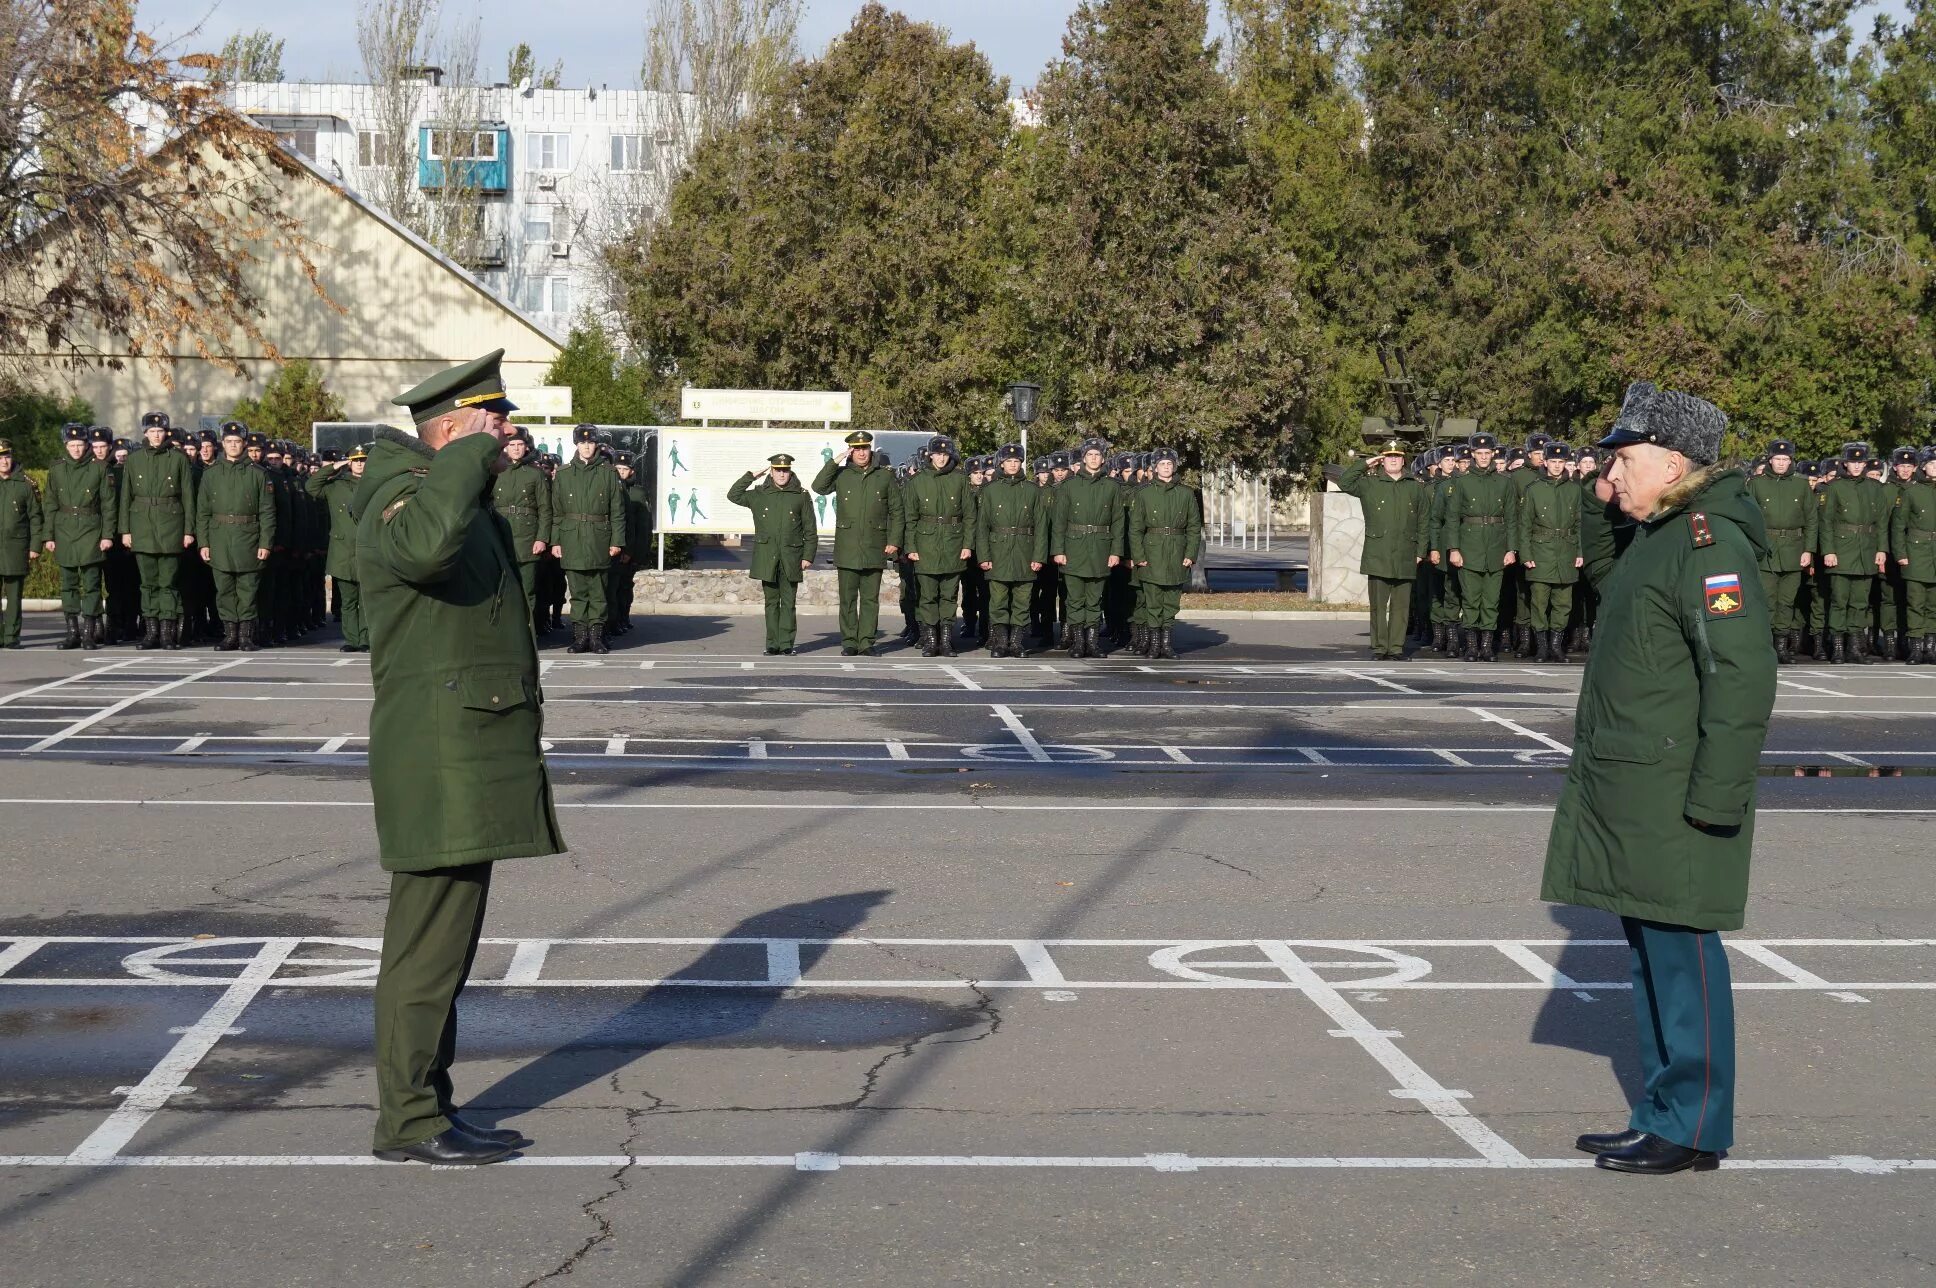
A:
{"x": 893, "y": 970}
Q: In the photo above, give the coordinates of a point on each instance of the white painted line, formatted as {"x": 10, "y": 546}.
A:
{"x": 15, "y": 953}
{"x": 1176, "y": 754}
{"x": 333, "y": 745}
{"x": 1774, "y": 961}
{"x": 187, "y": 745}
{"x": 1389, "y": 684}
{"x": 1312, "y": 754}
{"x": 166, "y": 1078}
{"x": 615, "y": 746}
{"x": 1847, "y": 759}
{"x": 1452, "y": 758}
{"x": 527, "y": 962}
{"x": 782, "y": 963}
{"x": 1021, "y": 732}
{"x": 961, "y": 678}
{"x": 1811, "y": 688}
{"x": 756, "y": 749}
{"x": 1041, "y": 968}
{"x": 1520, "y": 729}
{"x": 125, "y": 703}
{"x": 65, "y": 681}
{"x": 1536, "y": 966}
{"x": 896, "y": 750}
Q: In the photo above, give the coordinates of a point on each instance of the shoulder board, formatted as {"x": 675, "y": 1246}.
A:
{"x": 1703, "y": 533}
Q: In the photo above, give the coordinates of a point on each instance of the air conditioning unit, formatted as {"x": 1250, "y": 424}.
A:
{"x": 561, "y": 250}
{"x": 547, "y": 183}
{"x": 663, "y": 135}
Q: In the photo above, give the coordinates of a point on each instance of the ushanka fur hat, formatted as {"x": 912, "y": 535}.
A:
{"x": 1678, "y": 422}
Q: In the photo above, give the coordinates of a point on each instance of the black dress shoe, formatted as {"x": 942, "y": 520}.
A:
{"x": 1653, "y": 1156}
{"x": 845, "y": 651}
{"x": 773, "y": 652}
{"x": 786, "y": 652}
{"x": 453, "y": 1148}
{"x": 1608, "y": 1142}
{"x": 510, "y": 1137}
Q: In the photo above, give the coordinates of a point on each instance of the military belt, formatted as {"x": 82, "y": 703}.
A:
{"x": 1785, "y": 532}
{"x": 1489, "y": 518}
{"x": 76, "y": 509}
{"x": 518, "y": 509}
{"x": 945, "y": 522}
{"x": 1855, "y": 527}
{"x": 234, "y": 520}
{"x": 157, "y": 502}
{"x": 1089, "y": 529}
{"x": 1165, "y": 532}
{"x": 1539, "y": 531}
{"x": 1011, "y": 532}
{"x": 588, "y": 518}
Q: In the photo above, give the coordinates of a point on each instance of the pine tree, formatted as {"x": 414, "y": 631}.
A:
{"x": 604, "y": 391}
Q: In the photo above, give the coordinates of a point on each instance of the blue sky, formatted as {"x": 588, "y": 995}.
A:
{"x": 600, "y": 41}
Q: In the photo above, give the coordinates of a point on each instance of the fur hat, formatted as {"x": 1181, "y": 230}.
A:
{"x": 1678, "y": 422}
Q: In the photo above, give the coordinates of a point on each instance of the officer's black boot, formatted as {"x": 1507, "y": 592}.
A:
{"x": 228, "y": 641}
{"x": 578, "y": 636}
{"x": 91, "y": 631}
{"x": 73, "y": 638}
{"x": 1163, "y": 649}
{"x": 150, "y": 634}
{"x": 598, "y": 644}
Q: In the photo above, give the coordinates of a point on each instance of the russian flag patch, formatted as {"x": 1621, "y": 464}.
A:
{"x": 1723, "y": 594}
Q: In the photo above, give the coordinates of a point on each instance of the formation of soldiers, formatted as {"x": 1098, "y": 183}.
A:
{"x": 1475, "y": 551}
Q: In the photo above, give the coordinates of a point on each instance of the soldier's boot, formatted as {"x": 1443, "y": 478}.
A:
{"x": 945, "y": 637}
{"x": 1018, "y": 637}
{"x": 1442, "y": 638}
{"x": 1163, "y": 648}
{"x": 577, "y": 644}
{"x": 1836, "y": 648}
{"x": 1858, "y": 649}
{"x": 598, "y": 644}
{"x": 1098, "y": 641}
{"x": 1785, "y": 648}
{"x": 1525, "y": 640}
{"x": 1488, "y": 646}
{"x": 171, "y": 634}
{"x": 1889, "y": 653}
{"x": 1541, "y": 652}
{"x": 73, "y": 637}
{"x": 910, "y": 633}
{"x": 228, "y": 641}
{"x": 1929, "y": 650}
{"x": 1468, "y": 644}
{"x": 245, "y": 637}
{"x": 150, "y": 634}
{"x": 1557, "y": 641}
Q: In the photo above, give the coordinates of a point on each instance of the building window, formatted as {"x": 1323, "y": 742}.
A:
{"x": 561, "y": 295}
{"x": 631, "y": 152}
{"x": 373, "y": 149}
{"x": 537, "y": 230}
{"x": 551, "y": 152}
{"x": 462, "y": 145}
{"x": 545, "y": 295}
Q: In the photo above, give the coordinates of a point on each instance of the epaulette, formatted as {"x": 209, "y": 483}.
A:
{"x": 1703, "y": 534}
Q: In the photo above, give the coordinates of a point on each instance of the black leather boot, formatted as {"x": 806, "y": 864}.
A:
{"x": 227, "y": 643}
{"x": 1438, "y": 637}
{"x": 150, "y": 635}
{"x": 1526, "y": 641}
{"x": 1098, "y": 642}
{"x": 171, "y": 633}
{"x": 1488, "y": 646}
{"x": 1018, "y": 641}
{"x": 245, "y": 637}
{"x": 1838, "y": 648}
{"x": 945, "y": 638}
{"x": 1163, "y": 648}
{"x": 929, "y": 647}
{"x": 1469, "y": 641}
{"x": 91, "y": 632}
{"x": 1859, "y": 653}
{"x": 911, "y": 633}
{"x": 579, "y": 637}
{"x": 1929, "y": 650}
{"x": 1888, "y": 646}
{"x": 73, "y": 638}
{"x": 1558, "y": 639}
{"x": 1784, "y": 648}
{"x": 597, "y": 642}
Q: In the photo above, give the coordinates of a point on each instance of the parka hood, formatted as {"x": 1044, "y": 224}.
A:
{"x": 1723, "y": 493}
{"x": 394, "y": 452}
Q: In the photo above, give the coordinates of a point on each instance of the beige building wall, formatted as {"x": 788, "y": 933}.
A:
{"x": 406, "y": 312}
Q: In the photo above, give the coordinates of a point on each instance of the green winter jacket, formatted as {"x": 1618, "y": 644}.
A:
{"x": 1479, "y": 517}
{"x": 1011, "y": 528}
{"x": 77, "y": 511}
{"x": 1854, "y": 525}
{"x": 156, "y": 504}
{"x": 868, "y": 514}
{"x": 334, "y": 488}
{"x": 1788, "y": 508}
{"x": 1547, "y": 532}
{"x": 1165, "y": 528}
{"x": 587, "y": 514}
{"x": 783, "y": 530}
{"x": 1912, "y": 532}
{"x": 1397, "y": 520}
{"x": 522, "y": 494}
{"x": 19, "y": 523}
{"x": 1089, "y": 523}
{"x": 940, "y": 519}
{"x": 235, "y": 515}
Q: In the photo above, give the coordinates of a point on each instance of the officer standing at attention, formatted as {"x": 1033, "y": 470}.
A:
{"x": 157, "y": 517}
{"x": 456, "y": 764}
{"x": 784, "y": 541}
{"x": 1012, "y": 542}
{"x": 1548, "y": 539}
{"x": 1912, "y": 544}
{"x": 1852, "y": 553}
{"x": 236, "y": 519}
{"x": 334, "y": 485}
{"x": 522, "y": 494}
{"x": 587, "y": 525}
{"x": 77, "y": 515}
{"x": 1396, "y": 510}
{"x": 1088, "y": 528}
{"x": 868, "y": 518}
{"x": 1656, "y": 820}
{"x": 20, "y": 540}
{"x": 1479, "y": 518}
{"x": 1165, "y": 538}
{"x": 1788, "y": 509}
{"x": 637, "y": 544}
{"x": 940, "y": 512}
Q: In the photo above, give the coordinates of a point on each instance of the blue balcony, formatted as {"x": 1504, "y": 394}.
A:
{"x": 475, "y": 157}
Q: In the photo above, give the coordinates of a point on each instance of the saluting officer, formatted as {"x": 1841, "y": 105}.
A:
{"x": 1789, "y": 510}
{"x": 940, "y": 512}
{"x": 20, "y": 538}
{"x": 236, "y": 521}
{"x": 1165, "y": 538}
{"x": 522, "y": 494}
{"x": 1479, "y": 515}
{"x": 1396, "y": 511}
{"x": 587, "y": 524}
{"x": 333, "y": 485}
{"x": 1089, "y": 526}
{"x": 1912, "y": 544}
{"x": 157, "y": 507}
{"x": 868, "y": 522}
{"x": 1548, "y": 541}
{"x": 784, "y": 541}
{"x": 77, "y": 519}
{"x": 1012, "y": 542}
{"x": 1852, "y": 552}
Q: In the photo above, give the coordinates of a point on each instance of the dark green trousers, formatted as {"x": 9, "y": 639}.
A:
{"x": 10, "y": 588}
{"x": 1848, "y": 608}
{"x": 938, "y": 593}
{"x": 1552, "y": 604}
{"x": 780, "y": 623}
{"x": 160, "y": 586}
{"x": 1008, "y": 602}
{"x": 1921, "y": 604}
{"x": 1684, "y": 1010}
{"x": 860, "y": 606}
{"x": 528, "y": 579}
{"x": 429, "y": 942}
{"x": 237, "y": 594}
{"x": 80, "y": 590}
{"x": 587, "y": 595}
{"x": 1784, "y": 593}
{"x": 1479, "y": 593}
{"x": 1085, "y": 599}
{"x": 1445, "y": 596}
{"x": 1391, "y": 614}
{"x": 1163, "y": 603}
{"x": 349, "y": 595}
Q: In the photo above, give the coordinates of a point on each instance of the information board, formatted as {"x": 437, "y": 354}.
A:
{"x": 696, "y": 467}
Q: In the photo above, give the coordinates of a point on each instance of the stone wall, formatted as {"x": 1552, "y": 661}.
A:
{"x": 731, "y": 593}
{"x": 1337, "y": 544}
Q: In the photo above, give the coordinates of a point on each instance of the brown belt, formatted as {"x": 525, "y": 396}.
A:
{"x": 1165, "y": 532}
{"x": 1785, "y": 532}
{"x": 1089, "y": 529}
{"x": 588, "y": 518}
{"x": 1011, "y": 532}
{"x": 1471, "y": 518}
{"x": 234, "y": 520}
{"x": 157, "y": 501}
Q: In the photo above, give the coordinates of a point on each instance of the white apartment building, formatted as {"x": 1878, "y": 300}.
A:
{"x": 552, "y": 169}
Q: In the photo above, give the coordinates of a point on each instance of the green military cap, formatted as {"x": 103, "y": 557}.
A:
{"x": 780, "y": 461}
{"x": 475, "y": 384}
{"x": 6, "y": 447}
{"x": 358, "y": 453}
{"x": 860, "y": 438}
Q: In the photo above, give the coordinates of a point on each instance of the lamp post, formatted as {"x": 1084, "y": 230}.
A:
{"x": 1023, "y": 401}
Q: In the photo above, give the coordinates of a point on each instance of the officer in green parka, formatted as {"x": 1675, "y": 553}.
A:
{"x": 784, "y": 542}
{"x": 456, "y": 761}
{"x": 1165, "y": 536}
{"x": 334, "y": 484}
{"x": 20, "y": 540}
{"x": 587, "y": 527}
{"x": 940, "y": 512}
{"x": 156, "y": 505}
{"x": 1397, "y": 510}
{"x": 1547, "y": 536}
{"x": 235, "y": 517}
{"x": 1656, "y": 820}
{"x": 1089, "y": 525}
{"x": 1912, "y": 544}
{"x": 868, "y": 522}
{"x": 1011, "y": 543}
{"x": 77, "y": 519}
{"x": 1479, "y": 519}
{"x": 522, "y": 494}
{"x": 1789, "y": 510}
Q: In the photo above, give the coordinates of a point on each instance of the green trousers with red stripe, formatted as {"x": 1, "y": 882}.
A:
{"x": 1683, "y": 1004}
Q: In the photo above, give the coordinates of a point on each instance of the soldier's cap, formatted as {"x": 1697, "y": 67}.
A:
{"x": 1392, "y": 447}
{"x": 1162, "y": 454}
{"x": 1009, "y": 452}
{"x": 1041, "y": 465}
{"x": 100, "y": 434}
{"x": 623, "y": 458}
{"x": 1929, "y": 454}
{"x": 72, "y": 433}
{"x": 1516, "y": 455}
{"x": 330, "y": 457}
{"x": 1124, "y": 461}
{"x": 6, "y": 447}
{"x": 358, "y": 453}
{"x": 1806, "y": 469}
{"x": 154, "y": 420}
{"x": 1855, "y": 451}
{"x": 257, "y": 439}
{"x": 880, "y": 458}
{"x": 1666, "y": 418}
{"x": 1538, "y": 442}
{"x": 584, "y": 434}
{"x": 1058, "y": 460}
{"x": 780, "y": 461}
{"x": 476, "y": 383}
{"x": 1558, "y": 452}
{"x": 1781, "y": 447}
{"x": 272, "y": 448}
{"x": 517, "y": 434}
{"x": 941, "y": 444}
{"x": 1903, "y": 456}
{"x": 859, "y": 438}
{"x": 1482, "y": 443}
{"x": 1093, "y": 445}
{"x": 1464, "y": 451}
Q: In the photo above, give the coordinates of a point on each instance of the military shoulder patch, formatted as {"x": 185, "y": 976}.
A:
{"x": 390, "y": 510}
{"x": 1723, "y": 594}
{"x": 1703, "y": 533}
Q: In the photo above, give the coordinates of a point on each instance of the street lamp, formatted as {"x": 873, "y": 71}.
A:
{"x": 1023, "y": 401}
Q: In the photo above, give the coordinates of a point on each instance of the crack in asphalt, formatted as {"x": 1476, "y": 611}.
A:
{"x": 605, "y": 1226}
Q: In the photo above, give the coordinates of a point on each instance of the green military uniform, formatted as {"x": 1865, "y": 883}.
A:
{"x": 235, "y": 517}
{"x": 587, "y": 521}
{"x": 456, "y": 764}
{"x": 868, "y": 520}
{"x": 1912, "y": 545}
{"x": 1397, "y": 539}
{"x": 522, "y": 494}
{"x": 1165, "y": 524}
{"x": 1656, "y": 819}
{"x": 1892, "y": 593}
{"x": 20, "y": 542}
{"x": 1479, "y": 517}
{"x": 1854, "y": 528}
{"x": 784, "y": 539}
{"x": 635, "y": 549}
{"x": 77, "y": 514}
{"x": 1789, "y": 511}
{"x": 1445, "y": 578}
{"x": 1547, "y": 537}
{"x": 156, "y": 505}
{"x": 1088, "y": 527}
{"x": 939, "y": 508}
{"x": 1011, "y": 541}
{"x": 334, "y": 486}
{"x": 1519, "y": 585}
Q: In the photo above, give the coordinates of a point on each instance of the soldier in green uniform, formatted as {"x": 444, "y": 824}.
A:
{"x": 1444, "y": 577}
{"x": 1479, "y": 517}
{"x": 156, "y": 508}
{"x": 1853, "y": 533}
{"x": 1547, "y": 537}
{"x": 1656, "y": 820}
{"x": 1528, "y": 468}
{"x": 1011, "y": 542}
{"x": 20, "y": 538}
{"x": 1892, "y": 597}
{"x": 1397, "y": 541}
{"x": 235, "y": 517}
{"x": 1788, "y": 509}
{"x": 784, "y": 542}
{"x": 1165, "y": 540}
{"x": 1912, "y": 547}
{"x": 335, "y": 484}
{"x": 77, "y": 517}
{"x": 587, "y": 525}
{"x": 1042, "y": 597}
{"x": 637, "y": 547}
{"x": 1087, "y": 528}
{"x": 868, "y": 523}
{"x": 522, "y": 494}
{"x": 940, "y": 515}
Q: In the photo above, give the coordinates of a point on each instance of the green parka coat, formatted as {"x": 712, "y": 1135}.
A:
{"x": 334, "y": 489}
{"x": 156, "y": 504}
{"x": 1089, "y": 523}
{"x": 1673, "y": 713}
{"x": 1547, "y": 533}
{"x": 19, "y": 523}
{"x": 522, "y": 494}
{"x": 783, "y": 528}
{"x": 456, "y": 765}
{"x": 587, "y": 514}
{"x": 1165, "y": 528}
{"x": 235, "y": 515}
{"x": 638, "y": 520}
{"x": 1912, "y": 532}
{"x": 940, "y": 518}
{"x": 1789, "y": 510}
{"x": 868, "y": 512}
{"x": 1398, "y": 515}
{"x": 1854, "y": 525}
{"x": 1479, "y": 517}
{"x": 77, "y": 511}
{"x": 1011, "y": 527}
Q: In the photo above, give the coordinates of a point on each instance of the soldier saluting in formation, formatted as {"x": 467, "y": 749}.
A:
{"x": 784, "y": 541}
{"x": 868, "y": 520}
{"x": 1397, "y": 512}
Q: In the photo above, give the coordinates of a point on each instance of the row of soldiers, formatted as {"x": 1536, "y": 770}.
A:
{"x": 1103, "y": 546}
{"x": 1485, "y": 548}
{"x": 180, "y": 539}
